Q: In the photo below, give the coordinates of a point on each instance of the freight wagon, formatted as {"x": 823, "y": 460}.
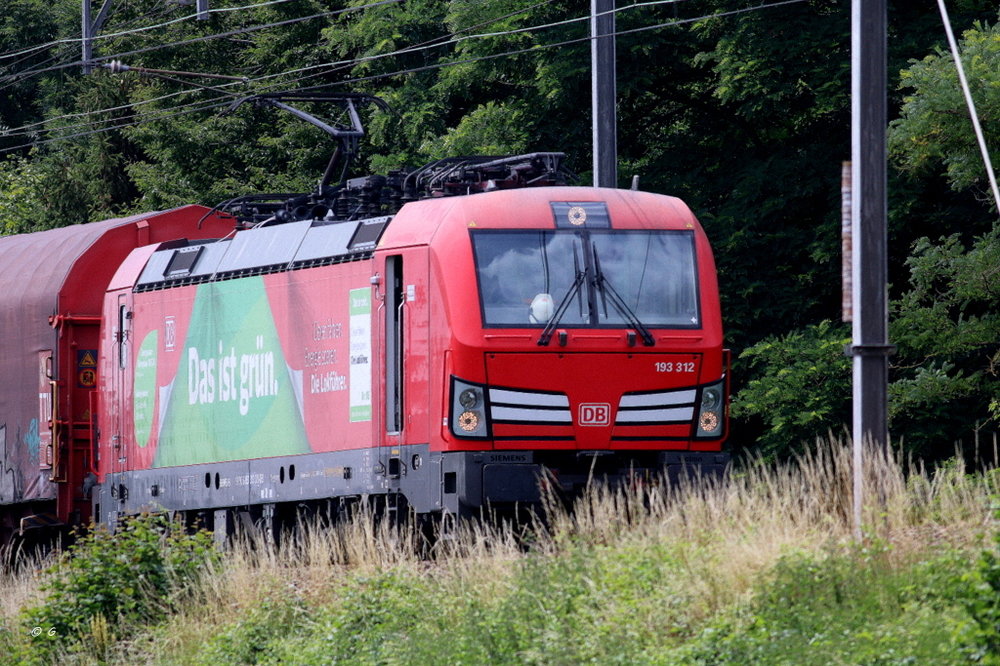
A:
{"x": 52, "y": 286}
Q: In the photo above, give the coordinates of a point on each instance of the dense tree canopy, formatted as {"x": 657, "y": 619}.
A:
{"x": 738, "y": 107}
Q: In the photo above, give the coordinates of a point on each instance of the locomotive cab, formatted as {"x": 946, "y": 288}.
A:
{"x": 567, "y": 334}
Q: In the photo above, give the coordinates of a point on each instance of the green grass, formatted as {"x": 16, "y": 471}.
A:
{"x": 762, "y": 570}
{"x": 848, "y": 608}
{"x": 614, "y": 607}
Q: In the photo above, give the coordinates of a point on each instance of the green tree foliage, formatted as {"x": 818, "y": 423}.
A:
{"x": 946, "y": 321}
{"x": 799, "y": 387}
{"x": 456, "y": 97}
{"x": 944, "y": 314}
{"x": 20, "y": 193}
{"x": 25, "y": 24}
{"x": 741, "y": 110}
{"x": 934, "y": 129}
{"x": 947, "y": 327}
{"x": 982, "y": 602}
{"x": 771, "y": 94}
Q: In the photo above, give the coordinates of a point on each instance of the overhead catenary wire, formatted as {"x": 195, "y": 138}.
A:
{"x": 130, "y": 31}
{"x": 401, "y": 51}
{"x": 69, "y": 52}
{"x": 541, "y": 47}
{"x": 338, "y": 65}
{"x": 17, "y": 77}
{"x": 230, "y": 33}
{"x": 203, "y": 38}
{"x": 167, "y": 113}
{"x": 444, "y": 40}
{"x": 296, "y": 20}
{"x": 434, "y": 43}
{"x": 334, "y": 66}
{"x": 430, "y": 67}
{"x": 441, "y": 41}
{"x": 218, "y": 10}
{"x": 423, "y": 68}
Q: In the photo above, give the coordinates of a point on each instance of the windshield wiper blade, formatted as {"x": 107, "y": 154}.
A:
{"x": 608, "y": 293}
{"x": 550, "y": 327}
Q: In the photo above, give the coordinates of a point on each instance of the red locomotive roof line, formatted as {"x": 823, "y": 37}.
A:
{"x": 308, "y": 243}
{"x": 267, "y": 249}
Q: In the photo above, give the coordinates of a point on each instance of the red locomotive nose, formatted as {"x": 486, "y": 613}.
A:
{"x": 591, "y": 401}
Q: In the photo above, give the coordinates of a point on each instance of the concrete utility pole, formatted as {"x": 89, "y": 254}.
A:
{"x": 89, "y": 29}
{"x": 870, "y": 346}
{"x": 603, "y": 92}
{"x": 86, "y": 45}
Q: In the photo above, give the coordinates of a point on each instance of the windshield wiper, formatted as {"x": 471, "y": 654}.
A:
{"x": 608, "y": 293}
{"x": 574, "y": 289}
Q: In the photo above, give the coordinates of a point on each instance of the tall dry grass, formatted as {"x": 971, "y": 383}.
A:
{"x": 20, "y": 579}
{"x": 807, "y": 500}
{"x": 731, "y": 531}
{"x": 726, "y": 533}
{"x": 314, "y": 567}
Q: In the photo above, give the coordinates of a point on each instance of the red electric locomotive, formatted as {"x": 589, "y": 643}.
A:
{"x": 445, "y": 339}
{"x": 447, "y": 357}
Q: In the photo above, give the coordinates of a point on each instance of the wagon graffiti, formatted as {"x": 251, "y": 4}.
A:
{"x": 19, "y": 453}
{"x": 33, "y": 440}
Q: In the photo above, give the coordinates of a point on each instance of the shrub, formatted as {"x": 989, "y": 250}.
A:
{"x": 982, "y": 602}
{"x": 253, "y": 638}
{"x": 105, "y": 585}
{"x": 376, "y": 621}
{"x": 799, "y": 387}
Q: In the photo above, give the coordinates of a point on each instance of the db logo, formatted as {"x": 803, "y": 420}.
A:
{"x": 169, "y": 333}
{"x": 595, "y": 414}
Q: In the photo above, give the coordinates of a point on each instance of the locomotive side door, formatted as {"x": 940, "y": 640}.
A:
{"x": 394, "y": 327}
{"x": 404, "y": 375}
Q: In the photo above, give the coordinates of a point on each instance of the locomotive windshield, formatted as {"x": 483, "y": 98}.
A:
{"x": 527, "y": 277}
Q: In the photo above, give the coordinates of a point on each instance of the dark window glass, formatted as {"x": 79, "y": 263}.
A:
{"x": 524, "y": 277}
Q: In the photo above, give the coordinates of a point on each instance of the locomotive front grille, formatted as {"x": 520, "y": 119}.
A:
{"x": 657, "y": 408}
{"x": 529, "y": 407}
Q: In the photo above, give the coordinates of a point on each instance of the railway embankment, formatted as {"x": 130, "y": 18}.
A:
{"x": 763, "y": 568}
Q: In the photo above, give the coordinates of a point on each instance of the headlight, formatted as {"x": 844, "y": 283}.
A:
{"x": 469, "y": 398}
{"x": 467, "y": 416}
{"x": 711, "y": 398}
{"x": 708, "y": 421}
{"x": 711, "y": 419}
